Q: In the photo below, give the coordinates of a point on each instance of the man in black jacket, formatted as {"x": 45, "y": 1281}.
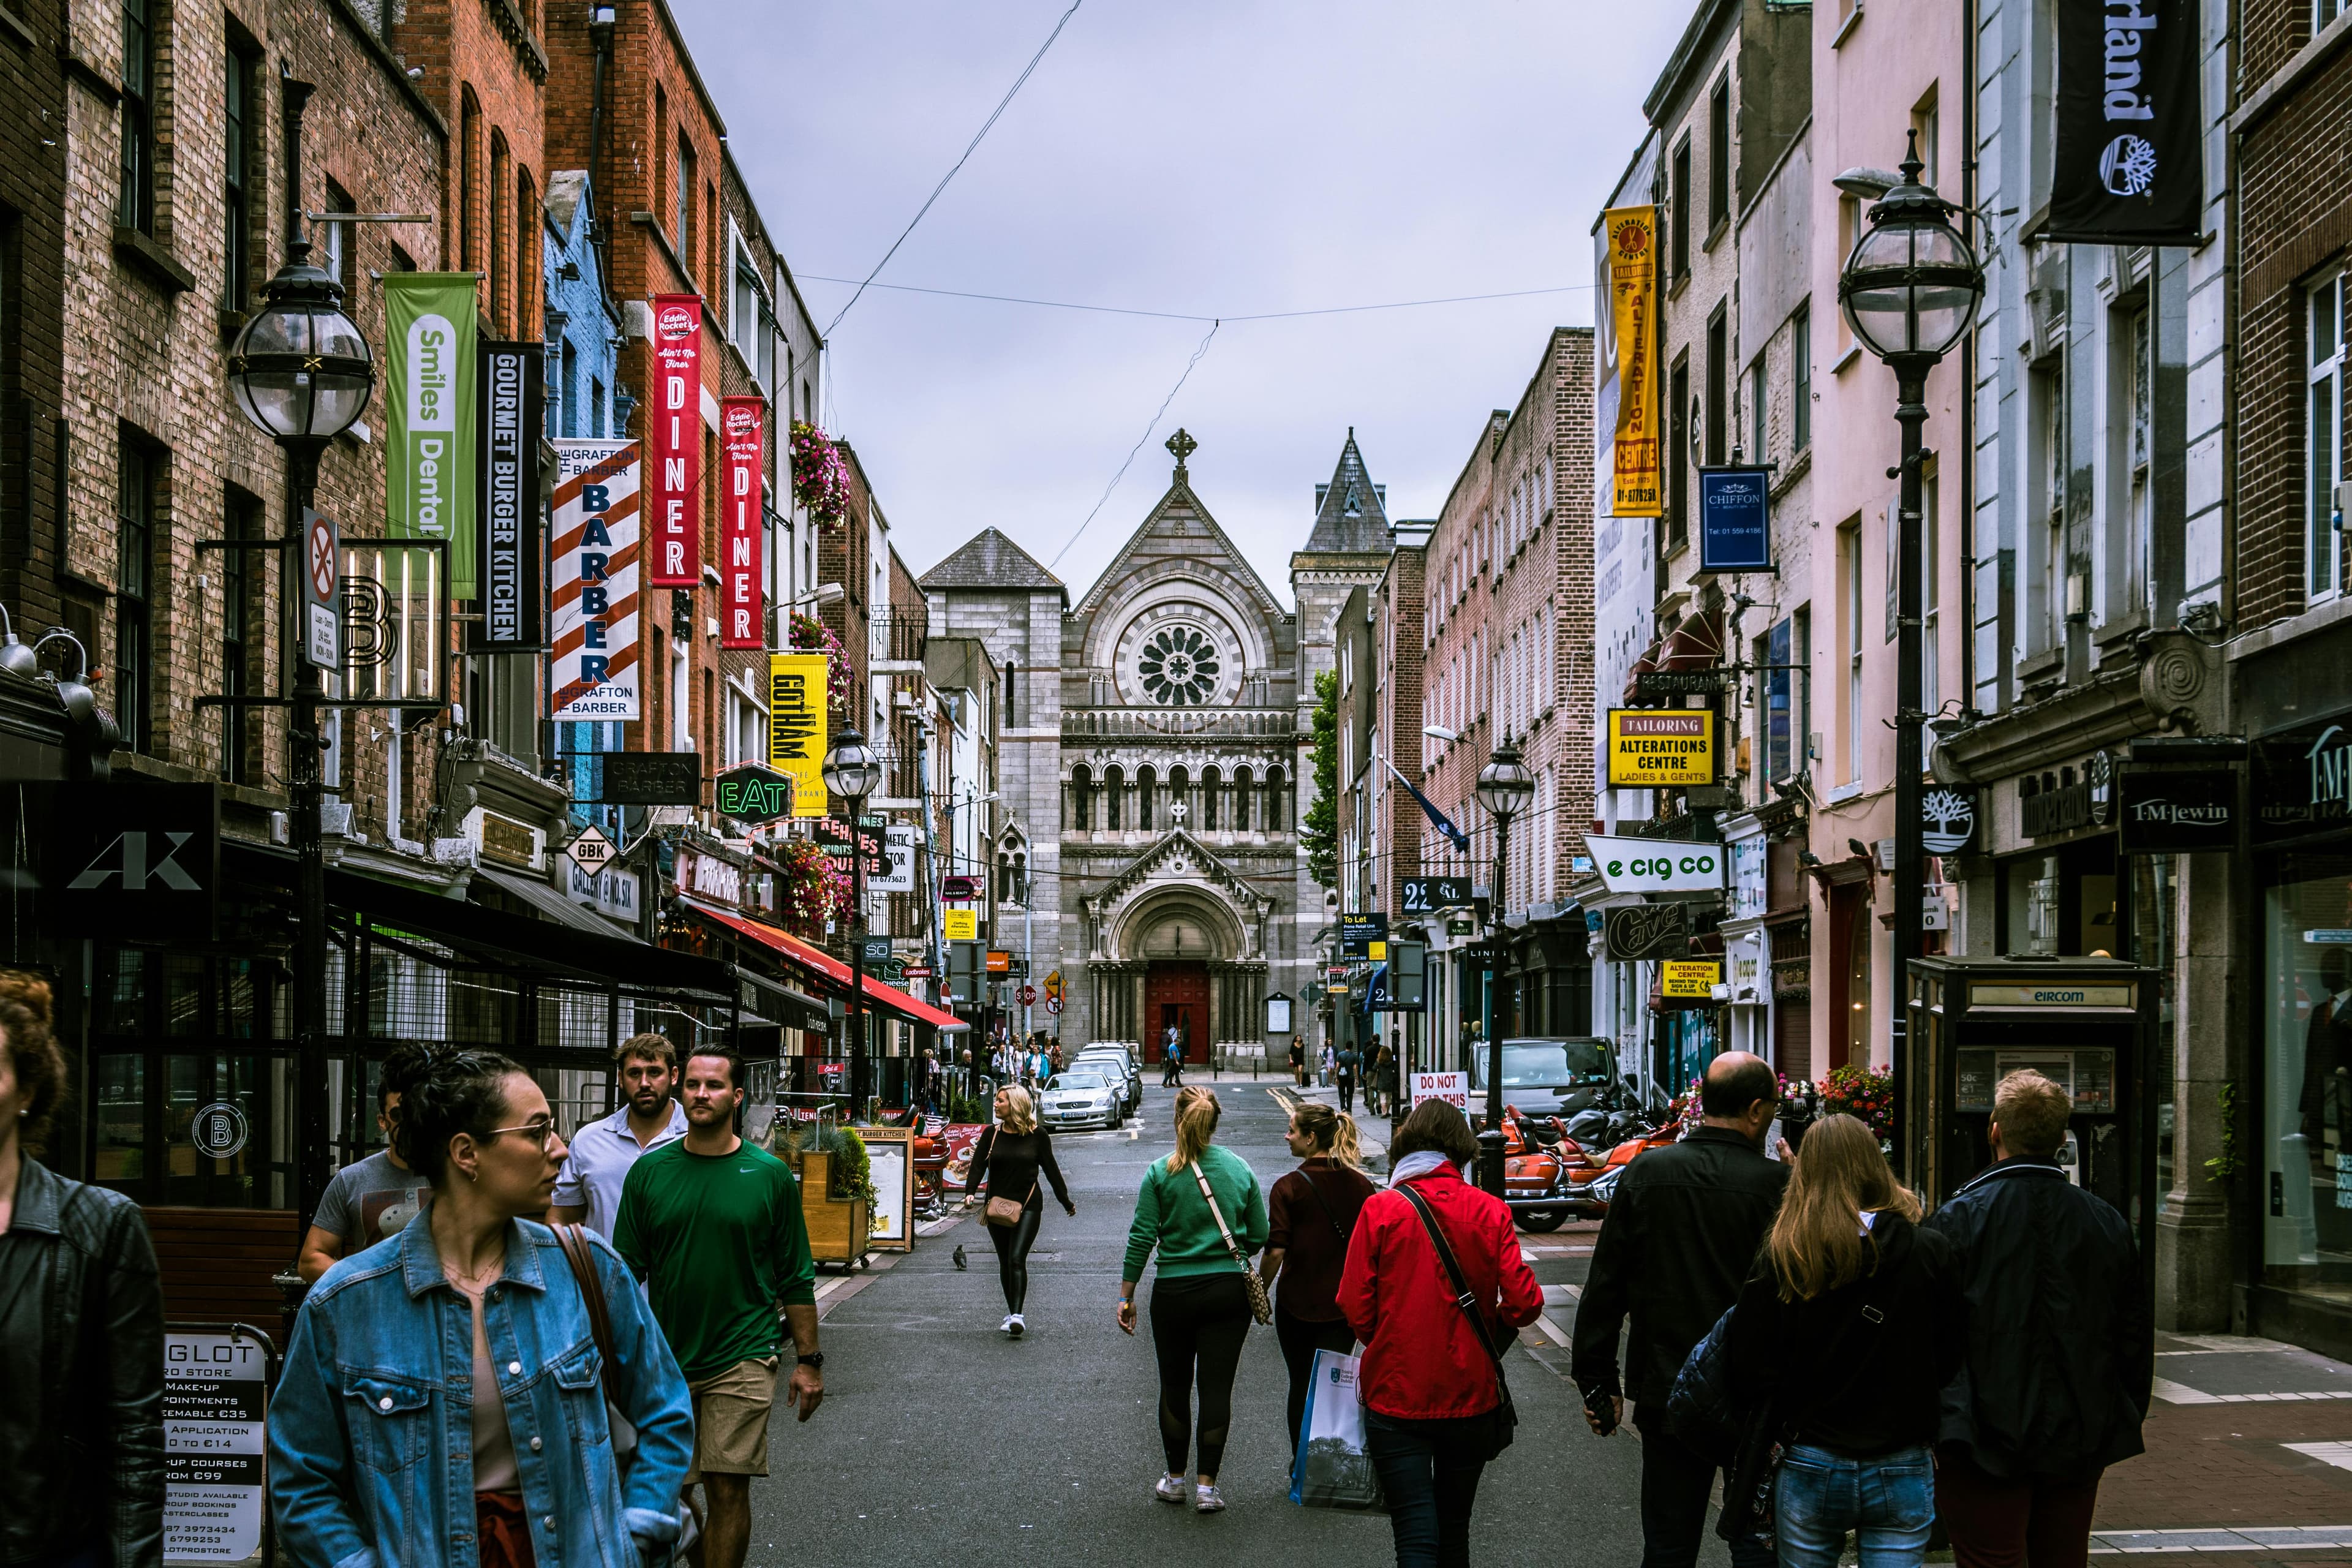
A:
{"x": 1679, "y": 1240}
{"x": 2062, "y": 1345}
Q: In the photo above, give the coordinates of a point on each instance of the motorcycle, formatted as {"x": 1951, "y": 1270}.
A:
{"x": 1554, "y": 1173}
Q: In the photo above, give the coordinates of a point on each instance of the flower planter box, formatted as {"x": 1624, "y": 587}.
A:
{"x": 839, "y": 1229}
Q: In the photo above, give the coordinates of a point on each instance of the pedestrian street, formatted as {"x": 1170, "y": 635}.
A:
{"x": 940, "y": 1437}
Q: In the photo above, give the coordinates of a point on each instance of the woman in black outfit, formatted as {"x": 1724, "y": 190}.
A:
{"x": 1007, "y": 1163}
{"x": 1311, "y": 1215}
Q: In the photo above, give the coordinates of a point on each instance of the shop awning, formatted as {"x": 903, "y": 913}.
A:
{"x": 1693, "y": 645}
{"x": 821, "y": 962}
{"x": 550, "y": 903}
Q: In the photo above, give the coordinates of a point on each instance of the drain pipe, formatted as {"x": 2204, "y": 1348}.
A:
{"x": 601, "y": 16}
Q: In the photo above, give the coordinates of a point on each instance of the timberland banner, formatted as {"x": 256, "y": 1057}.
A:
{"x": 1632, "y": 292}
{"x": 429, "y": 485}
{"x": 2127, "y": 168}
{"x": 797, "y": 740}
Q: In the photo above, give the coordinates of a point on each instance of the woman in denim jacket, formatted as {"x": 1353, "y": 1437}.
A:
{"x": 442, "y": 1400}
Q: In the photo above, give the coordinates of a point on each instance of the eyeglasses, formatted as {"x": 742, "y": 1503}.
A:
{"x": 538, "y": 1128}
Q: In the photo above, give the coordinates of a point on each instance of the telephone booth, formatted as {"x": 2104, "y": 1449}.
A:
{"x": 2088, "y": 1023}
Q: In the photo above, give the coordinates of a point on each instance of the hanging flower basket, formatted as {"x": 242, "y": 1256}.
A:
{"x": 810, "y": 892}
{"x": 813, "y": 636}
{"x": 820, "y": 478}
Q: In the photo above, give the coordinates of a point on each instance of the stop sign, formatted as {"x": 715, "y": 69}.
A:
{"x": 1028, "y": 995}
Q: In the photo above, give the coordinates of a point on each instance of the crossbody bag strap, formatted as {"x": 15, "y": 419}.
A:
{"x": 1219, "y": 1216}
{"x": 580, "y": 1252}
{"x": 1315, "y": 1187}
{"x": 1462, "y": 1296}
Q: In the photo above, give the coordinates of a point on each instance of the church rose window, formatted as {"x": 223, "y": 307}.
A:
{"x": 1178, "y": 666}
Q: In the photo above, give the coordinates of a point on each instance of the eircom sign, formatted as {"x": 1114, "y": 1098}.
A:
{"x": 1656, "y": 866}
{"x": 1661, "y": 748}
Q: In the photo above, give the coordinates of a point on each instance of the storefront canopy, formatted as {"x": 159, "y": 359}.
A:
{"x": 818, "y": 961}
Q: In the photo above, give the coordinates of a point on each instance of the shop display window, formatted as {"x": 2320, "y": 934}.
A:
{"x": 2307, "y": 1136}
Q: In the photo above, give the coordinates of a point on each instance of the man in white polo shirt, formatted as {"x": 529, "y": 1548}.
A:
{"x": 589, "y": 1187}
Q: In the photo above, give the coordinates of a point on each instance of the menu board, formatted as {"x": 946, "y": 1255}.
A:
{"x": 215, "y": 1398}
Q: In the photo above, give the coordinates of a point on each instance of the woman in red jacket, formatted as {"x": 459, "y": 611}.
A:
{"x": 1431, "y": 1387}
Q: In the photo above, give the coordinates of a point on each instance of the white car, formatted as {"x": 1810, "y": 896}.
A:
{"x": 1114, "y": 1063}
{"x": 1073, "y": 1099}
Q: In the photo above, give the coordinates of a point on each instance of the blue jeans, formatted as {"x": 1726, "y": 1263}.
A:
{"x": 1429, "y": 1474}
{"x": 1822, "y": 1495}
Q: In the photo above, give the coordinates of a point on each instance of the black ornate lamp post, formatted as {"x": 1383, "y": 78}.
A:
{"x": 1909, "y": 290}
{"x": 851, "y": 772}
{"x": 1505, "y": 787}
{"x": 303, "y": 374}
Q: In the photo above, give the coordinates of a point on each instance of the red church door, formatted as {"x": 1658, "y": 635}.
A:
{"x": 1176, "y": 992}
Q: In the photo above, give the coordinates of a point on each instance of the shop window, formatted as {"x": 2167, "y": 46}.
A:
{"x": 2305, "y": 1147}
{"x": 122, "y": 1151}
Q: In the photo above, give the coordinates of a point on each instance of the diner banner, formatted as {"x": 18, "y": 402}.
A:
{"x": 796, "y": 739}
{"x": 2127, "y": 168}
{"x": 1633, "y": 292}
{"x": 429, "y": 415}
{"x": 742, "y": 514}
{"x": 511, "y": 381}
{"x": 674, "y": 445}
{"x": 593, "y": 673}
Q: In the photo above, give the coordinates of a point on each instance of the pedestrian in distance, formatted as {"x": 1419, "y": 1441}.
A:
{"x": 1343, "y": 1076}
{"x": 1436, "y": 1409}
{"x": 604, "y": 1151}
{"x": 2052, "y": 1283}
{"x": 1299, "y": 1062}
{"x": 1171, "y": 1058}
{"x": 1673, "y": 1254}
{"x": 370, "y": 1198}
{"x": 1848, "y": 1329}
{"x": 1201, "y": 1208}
{"x": 1310, "y": 1215}
{"x": 445, "y": 1384}
{"x": 1323, "y": 1069}
{"x": 713, "y": 1226}
{"x": 1008, "y": 1162}
{"x": 81, "y": 1331}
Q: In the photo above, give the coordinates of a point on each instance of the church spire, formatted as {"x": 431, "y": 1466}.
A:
{"x": 1351, "y": 512}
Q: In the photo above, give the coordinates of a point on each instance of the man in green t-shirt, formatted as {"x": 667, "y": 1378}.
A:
{"x": 713, "y": 1226}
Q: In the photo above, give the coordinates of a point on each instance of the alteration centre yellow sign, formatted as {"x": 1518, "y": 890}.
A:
{"x": 1661, "y": 748}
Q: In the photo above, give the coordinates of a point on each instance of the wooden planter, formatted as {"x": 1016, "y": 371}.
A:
{"x": 839, "y": 1229}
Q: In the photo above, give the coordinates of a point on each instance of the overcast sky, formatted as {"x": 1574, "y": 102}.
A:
{"x": 1218, "y": 158}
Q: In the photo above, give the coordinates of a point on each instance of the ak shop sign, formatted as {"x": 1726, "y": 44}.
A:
{"x": 2175, "y": 811}
{"x": 133, "y": 860}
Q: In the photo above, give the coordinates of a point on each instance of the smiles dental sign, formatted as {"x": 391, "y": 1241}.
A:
{"x": 429, "y": 476}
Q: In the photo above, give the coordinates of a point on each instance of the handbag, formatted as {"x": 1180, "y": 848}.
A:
{"x": 1506, "y": 1414}
{"x": 1003, "y": 1213}
{"x": 579, "y": 1252}
{"x": 1260, "y": 1307}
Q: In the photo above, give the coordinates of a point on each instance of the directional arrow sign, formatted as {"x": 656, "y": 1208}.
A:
{"x": 591, "y": 851}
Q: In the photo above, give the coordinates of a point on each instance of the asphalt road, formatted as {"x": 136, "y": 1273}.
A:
{"x": 942, "y": 1439}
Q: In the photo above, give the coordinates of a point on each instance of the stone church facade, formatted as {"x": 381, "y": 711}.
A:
{"x": 1152, "y": 759}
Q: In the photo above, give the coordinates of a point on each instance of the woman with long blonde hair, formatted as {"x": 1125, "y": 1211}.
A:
{"x": 1201, "y": 1210}
{"x": 1311, "y": 1215}
{"x": 1007, "y": 1163}
{"x": 1848, "y": 1330}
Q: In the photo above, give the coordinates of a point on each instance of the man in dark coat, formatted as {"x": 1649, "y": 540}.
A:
{"x": 1681, "y": 1235}
{"x": 2062, "y": 1345}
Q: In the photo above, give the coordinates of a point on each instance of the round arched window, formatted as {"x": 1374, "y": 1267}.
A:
{"x": 1178, "y": 666}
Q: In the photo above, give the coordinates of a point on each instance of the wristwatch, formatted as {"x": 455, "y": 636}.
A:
{"x": 814, "y": 1359}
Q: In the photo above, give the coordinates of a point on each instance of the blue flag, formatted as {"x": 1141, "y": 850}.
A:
{"x": 1437, "y": 819}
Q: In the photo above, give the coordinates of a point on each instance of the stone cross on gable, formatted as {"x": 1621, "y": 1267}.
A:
{"x": 1184, "y": 445}
{"x": 1179, "y": 811}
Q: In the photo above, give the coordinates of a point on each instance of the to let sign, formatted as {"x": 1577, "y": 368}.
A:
{"x": 1661, "y": 748}
{"x": 1357, "y": 932}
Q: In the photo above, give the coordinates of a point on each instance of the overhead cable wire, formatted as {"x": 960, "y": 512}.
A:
{"x": 1139, "y": 440}
{"x": 1186, "y": 315}
{"x": 985, "y": 127}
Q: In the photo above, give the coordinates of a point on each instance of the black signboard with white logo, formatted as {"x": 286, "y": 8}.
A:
{"x": 650, "y": 778}
{"x": 2127, "y": 168}
{"x": 1948, "y": 821}
{"x": 2173, "y": 811}
{"x": 2303, "y": 782}
{"x": 1734, "y": 521}
{"x": 133, "y": 860}
{"x": 1646, "y": 931}
{"x": 510, "y": 389}
{"x": 1427, "y": 895}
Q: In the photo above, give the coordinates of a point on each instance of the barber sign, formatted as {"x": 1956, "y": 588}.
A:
{"x": 593, "y": 583}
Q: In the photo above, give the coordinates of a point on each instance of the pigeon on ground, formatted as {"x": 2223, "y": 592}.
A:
{"x": 959, "y": 1255}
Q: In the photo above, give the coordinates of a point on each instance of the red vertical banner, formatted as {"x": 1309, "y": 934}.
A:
{"x": 741, "y": 522}
{"x": 674, "y": 445}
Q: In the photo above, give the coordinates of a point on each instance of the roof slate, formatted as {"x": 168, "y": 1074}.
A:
{"x": 1352, "y": 519}
{"x": 989, "y": 559}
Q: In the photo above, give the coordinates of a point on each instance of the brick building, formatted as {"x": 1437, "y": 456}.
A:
{"x": 33, "y": 171}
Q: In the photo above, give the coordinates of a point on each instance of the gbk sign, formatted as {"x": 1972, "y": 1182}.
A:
{"x": 128, "y": 860}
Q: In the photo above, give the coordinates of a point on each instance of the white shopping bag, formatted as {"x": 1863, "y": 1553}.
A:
{"x": 1333, "y": 1468}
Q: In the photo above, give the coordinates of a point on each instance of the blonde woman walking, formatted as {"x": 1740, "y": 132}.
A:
{"x": 1849, "y": 1329}
{"x": 1007, "y": 1163}
{"x": 1201, "y": 1209}
{"x": 1311, "y": 1215}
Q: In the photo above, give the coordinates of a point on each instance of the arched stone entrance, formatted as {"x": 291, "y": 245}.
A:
{"x": 1177, "y": 945}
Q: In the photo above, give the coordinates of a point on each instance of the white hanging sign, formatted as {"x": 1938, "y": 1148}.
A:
{"x": 1656, "y": 865}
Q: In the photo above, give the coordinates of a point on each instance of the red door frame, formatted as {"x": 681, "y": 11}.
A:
{"x": 1177, "y": 989}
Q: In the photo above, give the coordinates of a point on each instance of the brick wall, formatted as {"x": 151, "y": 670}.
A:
{"x": 1403, "y": 600}
{"x": 1455, "y": 683}
{"x": 33, "y": 161}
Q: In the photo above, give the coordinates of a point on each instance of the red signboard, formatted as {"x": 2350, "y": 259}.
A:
{"x": 674, "y": 445}
{"x": 741, "y": 430}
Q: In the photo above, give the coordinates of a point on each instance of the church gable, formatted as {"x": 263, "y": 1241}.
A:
{"x": 1180, "y": 528}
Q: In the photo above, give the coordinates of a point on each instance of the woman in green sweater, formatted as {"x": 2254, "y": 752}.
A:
{"x": 1199, "y": 1306}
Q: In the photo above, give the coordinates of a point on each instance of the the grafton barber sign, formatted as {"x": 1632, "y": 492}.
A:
{"x": 2127, "y": 168}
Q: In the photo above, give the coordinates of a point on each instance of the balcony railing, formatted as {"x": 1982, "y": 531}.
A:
{"x": 1268, "y": 724}
{"x": 897, "y": 638}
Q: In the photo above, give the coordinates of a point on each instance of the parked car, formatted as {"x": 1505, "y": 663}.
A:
{"x": 1073, "y": 1099}
{"x": 1558, "y": 1076}
{"x": 1113, "y": 1062}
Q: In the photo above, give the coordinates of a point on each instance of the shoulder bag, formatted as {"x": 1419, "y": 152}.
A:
{"x": 1506, "y": 1414}
{"x": 580, "y": 1252}
{"x": 1004, "y": 1213}
{"x": 1261, "y": 1307}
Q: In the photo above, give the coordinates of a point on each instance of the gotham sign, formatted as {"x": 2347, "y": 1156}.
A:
{"x": 2127, "y": 167}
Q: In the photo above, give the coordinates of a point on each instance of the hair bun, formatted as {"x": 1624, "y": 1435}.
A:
{"x": 28, "y": 991}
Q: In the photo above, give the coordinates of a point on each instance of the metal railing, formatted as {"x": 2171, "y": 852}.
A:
{"x": 1271, "y": 723}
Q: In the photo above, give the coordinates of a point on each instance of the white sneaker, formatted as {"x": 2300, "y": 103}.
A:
{"x": 1170, "y": 1489}
{"x": 1006, "y": 1326}
{"x": 1208, "y": 1499}
{"x": 1015, "y": 1326}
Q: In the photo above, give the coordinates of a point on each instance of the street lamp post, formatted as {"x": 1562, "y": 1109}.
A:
{"x": 302, "y": 373}
{"x": 1909, "y": 290}
{"x": 1505, "y": 789}
{"x": 851, "y": 772}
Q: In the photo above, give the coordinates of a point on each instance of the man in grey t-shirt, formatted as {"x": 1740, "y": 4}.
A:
{"x": 369, "y": 1199}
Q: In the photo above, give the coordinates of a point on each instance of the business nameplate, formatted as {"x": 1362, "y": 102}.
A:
{"x": 2052, "y": 996}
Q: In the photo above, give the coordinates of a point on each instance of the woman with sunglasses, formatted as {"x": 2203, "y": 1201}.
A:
{"x": 456, "y": 1361}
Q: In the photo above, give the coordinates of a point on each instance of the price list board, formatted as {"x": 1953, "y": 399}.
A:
{"x": 215, "y": 1409}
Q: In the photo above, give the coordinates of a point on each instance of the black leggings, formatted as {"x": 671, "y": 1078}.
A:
{"x": 1301, "y": 1338}
{"x": 1348, "y": 1095}
{"x": 1012, "y": 1244}
{"x": 1201, "y": 1317}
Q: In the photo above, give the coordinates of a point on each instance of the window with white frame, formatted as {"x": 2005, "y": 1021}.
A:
{"x": 2139, "y": 340}
{"x": 2323, "y": 574}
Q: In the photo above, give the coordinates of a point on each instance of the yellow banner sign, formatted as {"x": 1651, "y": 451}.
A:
{"x": 796, "y": 693}
{"x": 960, "y": 925}
{"x": 1661, "y": 748}
{"x": 1640, "y": 481}
{"x": 1691, "y": 981}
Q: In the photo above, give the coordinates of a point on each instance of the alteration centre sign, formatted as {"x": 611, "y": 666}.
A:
{"x": 1661, "y": 748}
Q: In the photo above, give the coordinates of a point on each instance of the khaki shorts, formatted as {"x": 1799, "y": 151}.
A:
{"x": 730, "y": 1419}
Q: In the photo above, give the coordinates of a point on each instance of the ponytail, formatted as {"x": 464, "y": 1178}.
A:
{"x": 1333, "y": 1133}
{"x": 1197, "y": 1111}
